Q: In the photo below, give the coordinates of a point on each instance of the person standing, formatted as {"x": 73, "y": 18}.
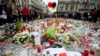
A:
{"x": 8, "y": 11}
{"x": 2, "y": 12}
{"x": 1, "y": 9}
{"x": 98, "y": 15}
{"x": 94, "y": 18}
{"x": 25, "y": 13}
{"x": 14, "y": 11}
{"x": 30, "y": 17}
{"x": 19, "y": 14}
{"x": 35, "y": 14}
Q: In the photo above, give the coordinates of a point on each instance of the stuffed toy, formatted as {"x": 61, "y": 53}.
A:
{"x": 50, "y": 32}
{"x": 18, "y": 25}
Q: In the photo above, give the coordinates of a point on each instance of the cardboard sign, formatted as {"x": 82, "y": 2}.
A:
{"x": 59, "y": 52}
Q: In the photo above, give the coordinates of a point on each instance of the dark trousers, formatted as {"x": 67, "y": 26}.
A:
{"x": 9, "y": 19}
{"x": 94, "y": 19}
{"x": 3, "y": 21}
{"x": 25, "y": 18}
{"x": 15, "y": 18}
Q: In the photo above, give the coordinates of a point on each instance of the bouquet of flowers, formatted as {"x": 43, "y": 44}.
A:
{"x": 21, "y": 38}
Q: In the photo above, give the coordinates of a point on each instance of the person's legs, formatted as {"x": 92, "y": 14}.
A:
{"x": 15, "y": 18}
{"x": 9, "y": 19}
{"x": 94, "y": 19}
{"x": 0, "y": 22}
{"x": 19, "y": 17}
{"x": 29, "y": 18}
{"x": 24, "y": 18}
{"x": 4, "y": 21}
{"x": 33, "y": 17}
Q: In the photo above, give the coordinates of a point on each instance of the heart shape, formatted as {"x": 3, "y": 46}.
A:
{"x": 62, "y": 54}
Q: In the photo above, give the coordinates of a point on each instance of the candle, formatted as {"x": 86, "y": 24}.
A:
{"x": 85, "y": 53}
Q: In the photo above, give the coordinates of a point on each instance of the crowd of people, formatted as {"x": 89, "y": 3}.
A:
{"x": 90, "y": 15}
{"x": 93, "y": 15}
{"x": 10, "y": 13}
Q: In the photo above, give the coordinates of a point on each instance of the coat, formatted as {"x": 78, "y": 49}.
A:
{"x": 14, "y": 9}
{"x": 25, "y": 11}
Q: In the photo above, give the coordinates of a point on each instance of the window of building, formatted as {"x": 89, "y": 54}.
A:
{"x": 81, "y": 0}
{"x": 66, "y": 7}
{"x": 61, "y": 6}
{"x": 91, "y": 1}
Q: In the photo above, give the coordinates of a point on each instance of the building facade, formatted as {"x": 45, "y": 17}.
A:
{"x": 75, "y": 5}
{"x": 32, "y": 4}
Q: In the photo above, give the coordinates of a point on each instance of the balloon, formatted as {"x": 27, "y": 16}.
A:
{"x": 53, "y": 8}
{"x": 54, "y": 4}
{"x": 50, "y": 4}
